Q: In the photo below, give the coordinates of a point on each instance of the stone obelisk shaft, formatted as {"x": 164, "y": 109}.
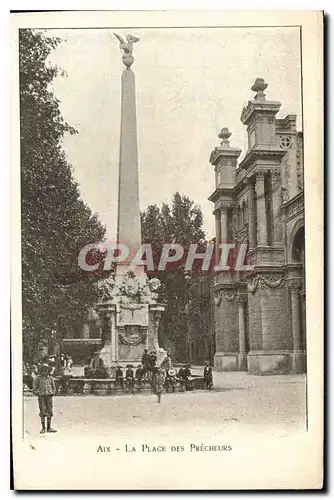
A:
{"x": 128, "y": 226}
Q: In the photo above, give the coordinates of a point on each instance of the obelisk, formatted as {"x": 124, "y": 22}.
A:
{"x": 129, "y": 307}
{"x": 128, "y": 224}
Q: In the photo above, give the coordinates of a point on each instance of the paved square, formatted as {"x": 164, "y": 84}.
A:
{"x": 240, "y": 403}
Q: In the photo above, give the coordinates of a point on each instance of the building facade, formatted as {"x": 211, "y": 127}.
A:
{"x": 259, "y": 314}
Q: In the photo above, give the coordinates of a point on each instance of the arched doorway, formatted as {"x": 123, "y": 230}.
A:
{"x": 298, "y": 247}
{"x": 297, "y": 256}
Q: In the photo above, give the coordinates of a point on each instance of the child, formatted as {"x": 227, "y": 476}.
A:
{"x": 44, "y": 388}
{"x": 159, "y": 382}
{"x": 208, "y": 375}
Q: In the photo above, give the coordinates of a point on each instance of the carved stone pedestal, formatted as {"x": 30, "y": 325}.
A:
{"x": 130, "y": 317}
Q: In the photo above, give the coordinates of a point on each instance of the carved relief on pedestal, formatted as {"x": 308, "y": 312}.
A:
{"x": 132, "y": 335}
{"x": 131, "y": 290}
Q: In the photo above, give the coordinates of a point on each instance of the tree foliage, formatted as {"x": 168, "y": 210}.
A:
{"x": 183, "y": 292}
{"x": 55, "y": 221}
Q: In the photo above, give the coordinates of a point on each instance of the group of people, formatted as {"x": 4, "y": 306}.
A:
{"x": 41, "y": 378}
{"x": 161, "y": 378}
{"x": 59, "y": 366}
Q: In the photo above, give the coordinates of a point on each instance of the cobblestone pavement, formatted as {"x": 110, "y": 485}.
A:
{"x": 240, "y": 403}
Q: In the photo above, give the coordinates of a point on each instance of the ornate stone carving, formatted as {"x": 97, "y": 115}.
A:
{"x": 284, "y": 194}
{"x": 299, "y": 163}
{"x": 276, "y": 174}
{"x": 132, "y": 290}
{"x": 260, "y": 175}
{"x": 295, "y": 286}
{"x": 294, "y": 206}
{"x": 227, "y": 294}
{"x": 241, "y": 299}
{"x": 132, "y": 335}
{"x": 107, "y": 289}
{"x": 242, "y": 235}
{"x": 224, "y": 206}
{"x": 260, "y": 281}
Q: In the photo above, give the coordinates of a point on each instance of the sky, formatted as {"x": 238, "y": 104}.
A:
{"x": 190, "y": 82}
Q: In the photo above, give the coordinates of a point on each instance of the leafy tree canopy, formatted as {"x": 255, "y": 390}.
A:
{"x": 56, "y": 223}
{"x": 186, "y": 293}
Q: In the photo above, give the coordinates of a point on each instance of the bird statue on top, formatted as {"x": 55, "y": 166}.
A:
{"x": 127, "y": 48}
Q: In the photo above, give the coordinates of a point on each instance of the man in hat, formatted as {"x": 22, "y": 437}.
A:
{"x": 44, "y": 388}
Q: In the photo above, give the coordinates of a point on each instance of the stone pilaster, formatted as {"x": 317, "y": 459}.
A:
{"x": 278, "y": 229}
{"x": 226, "y": 329}
{"x": 252, "y": 215}
{"x": 242, "y": 357}
{"x": 262, "y": 232}
{"x": 298, "y": 360}
{"x": 218, "y": 236}
{"x": 224, "y": 224}
{"x": 270, "y": 334}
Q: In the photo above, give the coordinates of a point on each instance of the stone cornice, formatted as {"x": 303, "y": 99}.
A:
{"x": 219, "y": 152}
{"x": 219, "y": 191}
{"x": 271, "y": 107}
{"x": 262, "y": 152}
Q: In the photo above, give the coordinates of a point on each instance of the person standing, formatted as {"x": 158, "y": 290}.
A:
{"x": 139, "y": 376}
{"x": 130, "y": 379}
{"x": 188, "y": 378}
{"x": 167, "y": 363}
{"x": 44, "y": 388}
{"x": 145, "y": 361}
{"x": 119, "y": 376}
{"x": 208, "y": 375}
{"x": 153, "y": 362}
{"x": 69, "y": 363}
{"x": 159, "y": 381}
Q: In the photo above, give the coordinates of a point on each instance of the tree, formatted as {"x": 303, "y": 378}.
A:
{"x": 181, "y": 223}
{"x": 55, "y": 221}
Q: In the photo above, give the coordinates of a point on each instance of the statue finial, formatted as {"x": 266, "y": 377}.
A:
{"x": 259, "y": 86}
{"x": 127, "y": 48}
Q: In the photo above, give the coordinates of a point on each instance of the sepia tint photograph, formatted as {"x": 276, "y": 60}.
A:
{"x": 162, "y": 235}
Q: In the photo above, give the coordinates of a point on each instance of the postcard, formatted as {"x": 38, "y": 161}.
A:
{"x": 167, "y": 250}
